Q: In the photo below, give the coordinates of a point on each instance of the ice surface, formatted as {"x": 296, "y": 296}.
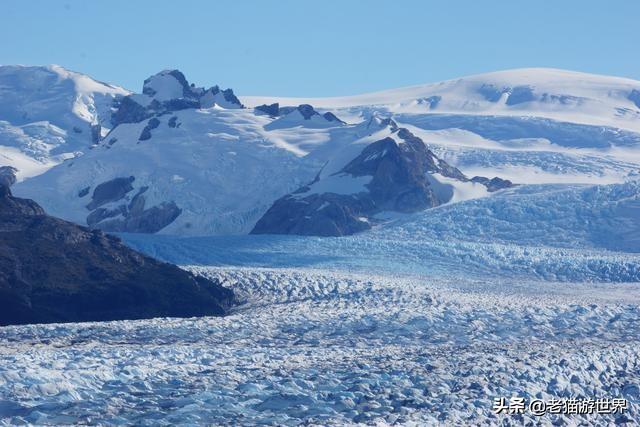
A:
{"x": 333, "y": 349}
{"x": 563, "y": 232}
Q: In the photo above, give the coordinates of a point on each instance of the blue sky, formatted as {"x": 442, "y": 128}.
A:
{"x": 321, "y": 48}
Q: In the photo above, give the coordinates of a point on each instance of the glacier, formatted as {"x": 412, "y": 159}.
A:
{"x": 532, "y": 291}
{"x": 329, "y": 348}
{"x": 421, "y": 321}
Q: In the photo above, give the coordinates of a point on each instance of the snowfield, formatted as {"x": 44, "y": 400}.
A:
{"x": 47, "y": 115}
{"x": 224, "y": 166}
{"x": 335, "y": 348}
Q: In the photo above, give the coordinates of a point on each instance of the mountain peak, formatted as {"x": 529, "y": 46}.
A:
{"x": 169, "y": 91}
{"x": 167, "y": 85}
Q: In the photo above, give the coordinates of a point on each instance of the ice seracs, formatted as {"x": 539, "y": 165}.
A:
{"x": 49, "y": 114}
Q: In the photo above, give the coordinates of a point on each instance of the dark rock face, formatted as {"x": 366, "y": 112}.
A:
{"x": 55, "y": 271}
{"x": 490, "y": 92}
{"x": 96, "y": 133}
{"x": 110, "y": 191}
{"x": 143, "y": 220}
{"x": 306, "y": 111}
{"x": 519, "y": 95}
{"x": 560, "y": 99}
{"x": 229, "y": 96}
{"x": 272, "y": 110}
{"x": 316, "y": 215}
{"x": 129, "y": 111}
{"x": 516, "y": 95}
{"x": 7, "y": 176}
{"x": 180, "y": 104}
{"x": 398, "y": 183}
{"x": 101, "y": 214}
{"x": 84, "y": 192}
{"x": 129, "y": 216}
{"x": 399, "y": 170}
{"x": 493, "y": 184}
{"x": 330, "y": 117}
{"x": 146, "y": 132}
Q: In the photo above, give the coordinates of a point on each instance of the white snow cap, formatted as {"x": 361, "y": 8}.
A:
{"x": 166, "y": 85}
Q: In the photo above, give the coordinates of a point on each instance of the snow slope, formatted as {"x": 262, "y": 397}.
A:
{"x": 219, "y": 166}
{"x": 224, "y": 167}
{"x": 47, "y": 115}
{"x": 560, "y": 95}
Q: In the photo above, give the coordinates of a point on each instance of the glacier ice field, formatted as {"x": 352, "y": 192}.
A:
{"x": 426, "y": 319}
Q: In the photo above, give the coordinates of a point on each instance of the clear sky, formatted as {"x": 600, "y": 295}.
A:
{"x": 319, "y": 48}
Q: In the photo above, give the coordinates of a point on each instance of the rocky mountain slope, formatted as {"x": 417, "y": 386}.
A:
{"x": 396, "y": 173}
{"x": 54, "y": 271}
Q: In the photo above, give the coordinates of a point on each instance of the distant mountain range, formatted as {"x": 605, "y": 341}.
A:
{"x": 187, "y": 160}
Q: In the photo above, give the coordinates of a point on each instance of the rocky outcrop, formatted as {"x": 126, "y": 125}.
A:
{"x": 303, "y": 114}
{"x": 129, "y": 111}
{"x": 110, "y": 191}
{"x": 146, "y": 132}
{"x": 493, "y": 184}
{"x": 398, "y": 167}
{"x": 166, "y": 92}
{"x": 326, "y": 214}
{"x": 54, "y": 271}
{"x": 272, "y": 110}
{"x": 520, "y": 95}
{"x": 7, "y": 176}
{"x": 149, "y": 220}
{"x": 514, "y": 95}
{"x": 399, "y": 171}
{"x": 129, "y": 215}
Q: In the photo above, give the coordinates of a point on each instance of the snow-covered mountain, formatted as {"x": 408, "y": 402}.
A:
{"x": 178, "y": 159}
{"x": 50, "y": 114}
{"x": 390, "y": 170}
{"x": 560, "y": 95}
